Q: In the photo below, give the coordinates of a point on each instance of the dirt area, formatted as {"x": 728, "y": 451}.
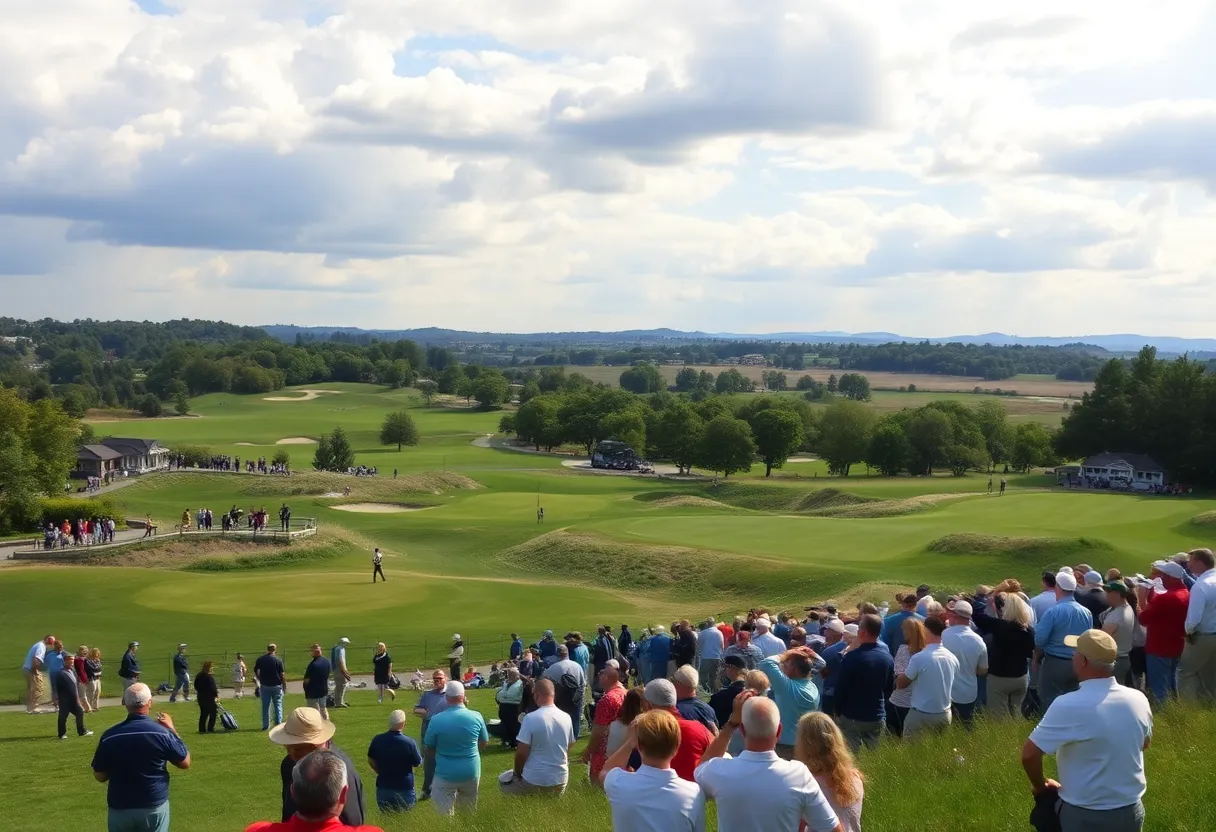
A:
{"x": 378, "y": 508}
{"x": 308, "y": 395}
{"x": 585, "y": 465}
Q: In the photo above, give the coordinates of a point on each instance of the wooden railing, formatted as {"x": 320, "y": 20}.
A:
{"x": 304, "y": 527}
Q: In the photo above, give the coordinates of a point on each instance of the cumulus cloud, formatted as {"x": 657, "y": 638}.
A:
{"x": 609, "y": 164}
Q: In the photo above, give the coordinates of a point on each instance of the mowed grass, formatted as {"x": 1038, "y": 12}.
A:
{"x": 234, "y": 778}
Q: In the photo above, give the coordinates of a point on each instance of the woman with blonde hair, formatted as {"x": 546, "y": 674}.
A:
{"x": 901, "y": 699}
{"x": 92, "y": 668}
{"x": 382, "y": 672}
{"x": 239, "y": 671}
{"x": 821, "y": 747}
{"x": 1010, "y": 638}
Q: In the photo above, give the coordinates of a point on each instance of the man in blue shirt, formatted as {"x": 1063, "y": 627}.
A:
{"x": 782, "y": 630}
{"x": 394, "y": 756}
{"x": 181, "y": 674}
{"x": 455, "y": 739}
{"x": 431, "y": 702}
{"x": 316, "y": 681}
{"x": 547, "y": 647}
{"x": 1052, "y": 655}
{"x": 833, "y": 634}
{"x": 54, "y": 664}
{"x": 790, "y": 676}
{"x": 128, "y": 669}
{"x": 893, "y": 624}
{"x": 131, "y": 759}
{"x": 517, "y": 647}
{"x": 865, "y": 679}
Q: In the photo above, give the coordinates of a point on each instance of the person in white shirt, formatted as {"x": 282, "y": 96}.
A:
{"x": 768, "y": 644}
{"x": 1098, "y": 734}
{"x": 1197, "y": 670}
{"x": 758, "y": 791}
{"x": 653, "y": 798}
{"x": 930, "y": 674}
{"x": 710, "y": 644}
{"x": 542, "y": 763}
{"x": 972, "y": 655}
{"x": 1046, "y": 599}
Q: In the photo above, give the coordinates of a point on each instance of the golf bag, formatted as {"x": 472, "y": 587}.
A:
{"x": 228, "y": 720}
{"x": 394, "y": 682}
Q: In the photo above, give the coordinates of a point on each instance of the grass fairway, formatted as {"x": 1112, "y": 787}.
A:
{"x": 613, "y": 548}
{"x": 234, "y": 778}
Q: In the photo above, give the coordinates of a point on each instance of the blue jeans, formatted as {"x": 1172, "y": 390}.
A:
{"x": 272, "y": 694}
{"x": 395, "y": 800}
{"x": 155, "y": 819}
{"x": 1161, "y": 675}
{"x": 183, "y": 684}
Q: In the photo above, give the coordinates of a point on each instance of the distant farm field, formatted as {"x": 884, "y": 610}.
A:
{"x": 1026, "y": 385}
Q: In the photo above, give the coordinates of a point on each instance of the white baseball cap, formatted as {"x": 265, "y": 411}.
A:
{"x": 1066, "y": 581}
{"x": 453, "y": 689}
{"x": 344, "y": 640}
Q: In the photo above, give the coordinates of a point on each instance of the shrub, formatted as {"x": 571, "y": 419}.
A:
{"x": 150, "y": 406}
{"x": 57, "y": 509}
{"x": 193, "y": 453}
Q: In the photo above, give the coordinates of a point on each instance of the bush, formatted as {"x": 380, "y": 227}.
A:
{"x": 281, "y": 457}
{"x": 150, "y": 406}
{"x": 193, "y": 453}
{"x": 57, "y": 509}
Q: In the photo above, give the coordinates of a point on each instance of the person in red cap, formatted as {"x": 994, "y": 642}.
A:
{"x": 319, "y": 790}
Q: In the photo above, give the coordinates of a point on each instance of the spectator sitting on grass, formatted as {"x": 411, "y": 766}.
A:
{"x": 319, "y": 791}
{"x": 542, "y": 763}
{"x": 302, "y": 733}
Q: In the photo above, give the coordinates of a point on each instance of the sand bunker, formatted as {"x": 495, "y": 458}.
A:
{"x": 308, "y": 395}
{"x": 296, "y": 440}
{"x": 331, "y": 495}
{"x": 375, "y": 508}
{"x": 245, "y": 444}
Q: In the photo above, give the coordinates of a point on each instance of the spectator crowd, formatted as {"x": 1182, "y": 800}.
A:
{"x": 762, "y": 714}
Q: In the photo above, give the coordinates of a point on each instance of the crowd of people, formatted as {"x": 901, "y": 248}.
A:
{"x": 256, "y": 519}
{"x": 224, "y": 462}
{"x": 762, "y": 714}
{"x": 83, "y": 531}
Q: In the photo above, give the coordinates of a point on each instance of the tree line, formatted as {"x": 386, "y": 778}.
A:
{"x": 1163, "y": 408}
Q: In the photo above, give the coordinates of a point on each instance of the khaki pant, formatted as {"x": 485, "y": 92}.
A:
{"x": 339, "y": 690}
{"x": 82, "y": 693}
{"x": 33, "y": 689}
{"x": 1197, "y": 670}
{"x": 449, "y": 797}
{"x": 1005, "y": 695}
{"x": 919, "y": 722}
{"x": 93, "y": 693}
{"x": 319, "y": 704}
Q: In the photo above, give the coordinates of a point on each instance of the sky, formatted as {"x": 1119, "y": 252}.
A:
{"x": 927, "y": 167}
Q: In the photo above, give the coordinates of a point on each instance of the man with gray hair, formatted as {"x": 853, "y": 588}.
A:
{"x": 130, "y": 759}
{"x": 454, "y": 740}
{"x": 685, "y": 680}
{"x": 319, "y": 791}
{"x": 394, "y": 756}
{"x": 758, "y": 790}
{"x": 569, "y": 682}
{"x": 1098, "y": 734}
{"x": 304, "y": 732}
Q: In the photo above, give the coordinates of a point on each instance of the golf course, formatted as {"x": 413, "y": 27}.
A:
{"x": 464, "y": 553}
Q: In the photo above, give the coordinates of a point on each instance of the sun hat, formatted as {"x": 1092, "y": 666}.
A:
{"x": 660, "y": 693}
{"x": 303, "y": 726}
{"x": 1095, "y": 645}
{"x": 1066, "y": 581}
{"x": 1168, "y": 567}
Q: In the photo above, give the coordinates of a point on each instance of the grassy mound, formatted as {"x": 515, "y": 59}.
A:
{"x": 828, "y": 499}
{"x": 1043, "y": 548}
{"x": 1207, "y": 519}
{"x": 210, "y": 554}
{"x": 311, "y": 483}
{"x": 676, "y": 570}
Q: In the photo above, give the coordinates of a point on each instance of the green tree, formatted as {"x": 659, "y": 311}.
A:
{"x": 677, "y": 436}
{"x": 643, "y": 378}
{"x": 733, "y": 381}
{"x": 150, "y": 406}
{"x": 323, "y": 457}
{"x": 686, "y": 380}
{"x": 281, "y": 457}
{"x": 530, "y": 390}
{"x": 506, "y": 424}
{"x": 844, "y": 435}
{"x": 727, "y": 446}
{"x": 37, "y": 451}
{"x": 73, "y": 405}
{"x": 854, "y": 386}
{"x": 539, "y": 423}
{"x": 993, "y": 421}
{"x": 628, "y": 426}
{"x": 931, "y": 434}
{"x": 398, "y": 429}
{"x": 889, "y": 448}
{"x": 833, "y": 383}
{"x": 450, "y": 379}
{"x": 181, "y": 404}
{"x": 343, "y": 456}
{"x": 428, "y": 389}
{"x": 1032, "y": 447}
{"x": 778, "y": 433}
{"x": 491, "y": 389}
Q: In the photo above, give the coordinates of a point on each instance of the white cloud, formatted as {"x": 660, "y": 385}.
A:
{"x": 722, "y": 165}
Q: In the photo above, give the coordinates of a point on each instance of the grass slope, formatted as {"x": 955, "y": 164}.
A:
{"x": 234, "y": 778}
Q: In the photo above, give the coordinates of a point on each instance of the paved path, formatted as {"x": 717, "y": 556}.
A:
{"x": 162, "y": 699}
{"x": 120, "y": 536}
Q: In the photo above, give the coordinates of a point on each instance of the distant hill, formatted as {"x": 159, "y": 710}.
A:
{"x": 438, "y": 336}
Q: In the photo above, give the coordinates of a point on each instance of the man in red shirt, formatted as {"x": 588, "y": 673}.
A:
{"x": 694, "y": 737}
{"x": 606, "y": 712}
{"x": 1163, "y": 615}
{"x": 318, "y": 787}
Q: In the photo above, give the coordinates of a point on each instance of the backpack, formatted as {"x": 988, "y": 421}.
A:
{"x": 228, "y": 720}
{"x": 568, "y": 693}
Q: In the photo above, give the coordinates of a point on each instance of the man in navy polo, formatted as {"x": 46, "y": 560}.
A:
{"x": 865, "y": 679}
{"x": 131, "y": 759}
{"x": 128, "y": 670}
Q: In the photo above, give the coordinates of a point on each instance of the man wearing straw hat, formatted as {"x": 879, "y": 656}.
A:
{"x": 303, "y": 732}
